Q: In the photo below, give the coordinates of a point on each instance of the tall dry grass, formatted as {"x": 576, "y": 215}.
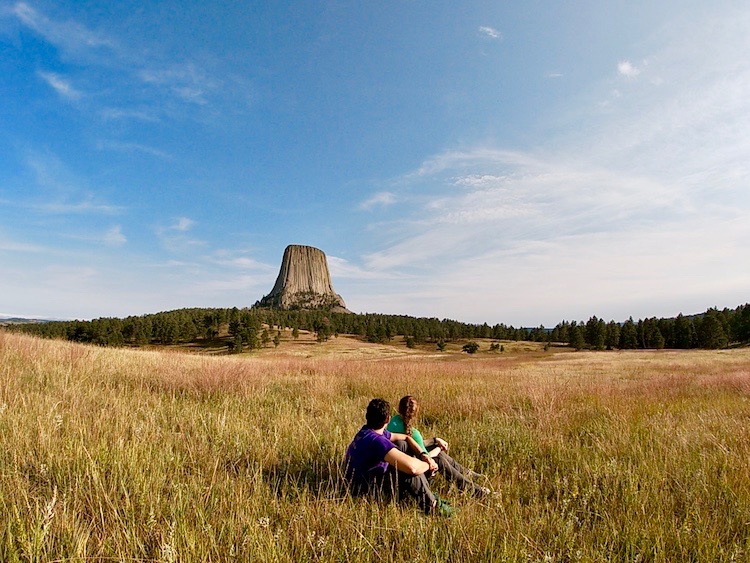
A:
{"x": 146, "y": 456}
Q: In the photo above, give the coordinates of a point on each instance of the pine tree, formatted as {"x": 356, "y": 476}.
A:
{"x": 657, "y": 340}
{"x": 613, "y": 335}
{"x": 628, "y": 335}
{"x": 575, "y": 336}
{"x": 711, "y": 334}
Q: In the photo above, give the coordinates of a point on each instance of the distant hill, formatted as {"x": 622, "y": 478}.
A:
{"x": 20, "y": 320}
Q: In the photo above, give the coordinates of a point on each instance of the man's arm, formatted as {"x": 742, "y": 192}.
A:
{"x": 406, "y": 463}
{"x": 417, "y": 449}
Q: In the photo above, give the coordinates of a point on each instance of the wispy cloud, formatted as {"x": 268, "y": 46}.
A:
{"x": 138, "y": 114}
{"x": 490, "y": 32}
{"x": 59, "y": 191}
{"x": 183, "y": 224}
{"x": 458, "y": 160}
{"x": 72, "y": 37}
{"x": 380, "y": 199}
{"x": 480, "y": 181}
{"x": 343, "y": 269}
{"x": 114, "y": 236}
{"x": 133, "y": 147}
{"x": 238, "y": 260}
{"x": 61, "y": 85}
{"x": 187, "y": 81}
{"x": 628, "y": 69}
{"x": 243, "y": 285}
{"x": 7, "y": 245}
{"x": 174, "y": 237}
{"x": 86, "y": 206}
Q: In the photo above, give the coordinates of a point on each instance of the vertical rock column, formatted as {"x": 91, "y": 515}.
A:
{"x": 303, "y": 281}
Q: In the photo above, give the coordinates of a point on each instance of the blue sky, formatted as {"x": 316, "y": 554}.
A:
{"x": 515, "y": 162}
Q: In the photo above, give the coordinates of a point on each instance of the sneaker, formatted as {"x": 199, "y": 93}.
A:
{"x": 482, "y": 492}
{"x": 445, "y": 509}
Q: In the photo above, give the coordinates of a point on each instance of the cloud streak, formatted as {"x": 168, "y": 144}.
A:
{"x": 85, "y": 207}
{"x": 174, "y": 237}
{"x": 490, "y": 32}
{"x": 380, "y": 199}
{"x": 61, "y": 85}
{"x": 187, "y": 82}
{"x": 74, "y": 38}
{"x": 133, "y": 147}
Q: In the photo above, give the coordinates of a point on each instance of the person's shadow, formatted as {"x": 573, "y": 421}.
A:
{"x": 294, "y": 477}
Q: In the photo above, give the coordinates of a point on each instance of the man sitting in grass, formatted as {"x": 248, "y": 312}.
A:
{"x": 375, "y": 466}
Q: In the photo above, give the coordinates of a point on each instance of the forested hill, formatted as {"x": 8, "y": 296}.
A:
{"x": 250, "y": 328}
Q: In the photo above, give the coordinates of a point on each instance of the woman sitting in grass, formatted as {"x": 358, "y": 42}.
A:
{"x": 436, "y": 448}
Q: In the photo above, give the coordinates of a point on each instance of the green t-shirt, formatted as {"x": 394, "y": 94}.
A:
{"x": 397, "y": 425}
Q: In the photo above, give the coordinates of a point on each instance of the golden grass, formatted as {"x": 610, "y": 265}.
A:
{"x": 164, "y": 456}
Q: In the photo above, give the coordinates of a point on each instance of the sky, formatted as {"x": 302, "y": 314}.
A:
{"x": 502, "y": 162}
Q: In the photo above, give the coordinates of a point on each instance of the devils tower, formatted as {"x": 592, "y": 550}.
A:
{"x": 304, "y": 282}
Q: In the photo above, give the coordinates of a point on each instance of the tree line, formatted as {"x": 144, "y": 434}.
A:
{"x": 249, "y": 328}
{"x": 713, "y": 329}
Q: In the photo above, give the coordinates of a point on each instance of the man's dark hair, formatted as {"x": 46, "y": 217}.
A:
{"x": 378, "y": 413}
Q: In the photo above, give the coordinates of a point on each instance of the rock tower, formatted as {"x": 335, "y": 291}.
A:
{"x": 304, "y": 282}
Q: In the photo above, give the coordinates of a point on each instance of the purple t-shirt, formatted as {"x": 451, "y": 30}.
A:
{"x": 365, "y": 456}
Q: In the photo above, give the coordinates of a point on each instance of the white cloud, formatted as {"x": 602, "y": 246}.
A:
{"x": 86, "y": 206}
{"x": 61, "y": 85}
{"x": 187, "y": 81}
{"x": 465, "y": 160}
{"x": 490, "y": 32}
{"x": 72, "y": 38}
{"x": 133, "y": 147}
{"x": 343, "y": 269}
{"x": 60, "y": 191}
{"x": 114, "y": 236}
{"x": 245, "y": 285}
{"x": 383, "y": 199}
{"x": 480, "y": 181}
{"x": 22, "y": 247}
{"x": 183, "y": 224}
{"x": 246, "y": 264}
{"x": 174, "y": 239}
{"x": 142, "y": 114}
{"x": 627, "y": 69}
{"x": 237, "y": 260}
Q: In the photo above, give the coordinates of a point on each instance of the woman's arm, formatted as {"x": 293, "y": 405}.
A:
{"x": 413, "y": 444}
{"x": 436, "y": 443}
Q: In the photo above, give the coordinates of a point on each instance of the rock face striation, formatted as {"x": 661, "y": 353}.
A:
{"x": 304, "y": 282}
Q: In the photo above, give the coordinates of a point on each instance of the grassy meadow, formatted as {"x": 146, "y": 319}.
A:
{"x": 127, "y": 455}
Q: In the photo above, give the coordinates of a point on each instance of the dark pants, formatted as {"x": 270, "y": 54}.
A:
{"x": 453, "y": 471}
{"x": 397, "y": 485}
